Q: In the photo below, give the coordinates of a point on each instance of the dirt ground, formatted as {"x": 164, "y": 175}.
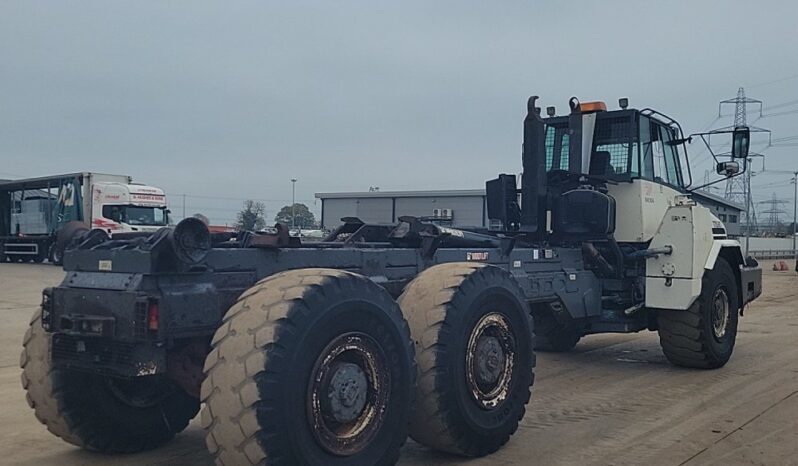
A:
{"x": 614, "y": 400}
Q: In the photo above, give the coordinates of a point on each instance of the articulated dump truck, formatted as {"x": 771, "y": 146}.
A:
{"x": 334, "y": 352}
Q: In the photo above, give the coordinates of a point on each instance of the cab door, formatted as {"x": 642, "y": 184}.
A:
{"x": 660, "y": 156}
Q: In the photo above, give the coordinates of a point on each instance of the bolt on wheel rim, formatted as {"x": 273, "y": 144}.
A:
{"x": 720, "y": 312}
{"x": 348, "y": 394}
{"x": 489, "y": 360}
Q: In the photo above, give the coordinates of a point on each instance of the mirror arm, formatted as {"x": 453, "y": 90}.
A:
{"x": 703, "y": 137}
{"x": 715, "y": 182}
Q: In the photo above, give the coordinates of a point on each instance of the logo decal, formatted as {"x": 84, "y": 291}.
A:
{"x": 476, "y": 256}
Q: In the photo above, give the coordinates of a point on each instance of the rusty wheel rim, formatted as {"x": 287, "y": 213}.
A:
{"x": 348, "y": 394}
{"x": 720, "y": 313}
{"x": 490, "y": 360}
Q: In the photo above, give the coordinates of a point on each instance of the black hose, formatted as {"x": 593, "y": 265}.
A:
{"x": 619, "y": 259}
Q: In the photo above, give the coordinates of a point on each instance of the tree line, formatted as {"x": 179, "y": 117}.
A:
{"x": 253, "y": 216}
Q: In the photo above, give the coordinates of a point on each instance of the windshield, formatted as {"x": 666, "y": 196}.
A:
{"x": 136, "y": 215}
{"x": 614, "y": 146}
{"x": 623, "y": 148}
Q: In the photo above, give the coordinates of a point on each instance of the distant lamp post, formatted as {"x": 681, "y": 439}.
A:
{"x": 794, "y": 216}
{"x": 293, "y": 203}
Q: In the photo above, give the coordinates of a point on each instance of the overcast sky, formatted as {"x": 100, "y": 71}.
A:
{"x": 233, "y": 99}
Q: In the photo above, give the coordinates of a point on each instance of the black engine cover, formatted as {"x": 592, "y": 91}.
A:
{"x": 584, "y": 212}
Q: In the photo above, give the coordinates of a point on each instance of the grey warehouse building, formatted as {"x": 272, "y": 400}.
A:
{"x": 458, "y": 207}
{"x": 466, "y": 207}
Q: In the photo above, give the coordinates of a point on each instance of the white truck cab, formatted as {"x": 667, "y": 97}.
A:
{"x": 126, "y": 208}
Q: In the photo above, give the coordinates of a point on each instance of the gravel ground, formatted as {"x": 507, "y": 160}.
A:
{"x": 614, "y": 400}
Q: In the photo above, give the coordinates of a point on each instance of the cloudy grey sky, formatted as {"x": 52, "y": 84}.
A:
{"x": 232, "y": 99}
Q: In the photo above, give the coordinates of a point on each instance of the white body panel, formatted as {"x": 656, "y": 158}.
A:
{"x": 118, "y": 194}
{"x": 673, "y": 281}
{"x": 719, "y": 244}
{"x": 640, "y": 207}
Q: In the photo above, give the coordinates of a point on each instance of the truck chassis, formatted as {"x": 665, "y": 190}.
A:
{"x": 333, "y": 352}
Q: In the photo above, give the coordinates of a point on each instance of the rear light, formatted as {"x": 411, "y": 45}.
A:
{"x": 153, "y": 315}
{"x": 47, "y": 308}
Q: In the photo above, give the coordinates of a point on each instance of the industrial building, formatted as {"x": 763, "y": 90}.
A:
{"x": 728, "y": 212}
{"x": 457, "y": 207}
{"x": 466, "y": 207}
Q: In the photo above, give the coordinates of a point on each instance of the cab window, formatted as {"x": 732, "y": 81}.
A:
{"x": 614, "y": 138}
{"x": 660, "y": 158}
{"x": 646, "y": 149}
{"x": 556, "y": 147}
{"x": 670, "y": 156}
{"x": 113, "y": 212}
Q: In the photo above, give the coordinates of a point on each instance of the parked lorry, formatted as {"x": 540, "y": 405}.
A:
{"x": 332, "y": 352}
{"x": 35, "y": 211}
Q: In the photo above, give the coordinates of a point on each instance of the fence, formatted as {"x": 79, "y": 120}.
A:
{"x": 772, "y": 254}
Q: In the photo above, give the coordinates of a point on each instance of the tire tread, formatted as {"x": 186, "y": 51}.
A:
{"x": 682, "y": 333}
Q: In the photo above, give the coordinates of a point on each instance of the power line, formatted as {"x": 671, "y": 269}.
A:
{"x": 775, "y": 81}
{"x": 769, "y": 115}
{"x": 783, "y": 104}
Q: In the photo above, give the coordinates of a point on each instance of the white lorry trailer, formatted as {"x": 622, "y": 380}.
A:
{"x": 34, "y": 211}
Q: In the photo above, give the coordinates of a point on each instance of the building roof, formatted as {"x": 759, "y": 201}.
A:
{"x": 700, "y": 195}
{"x": 718, "y": 200}
{"x": 389, "y": 194}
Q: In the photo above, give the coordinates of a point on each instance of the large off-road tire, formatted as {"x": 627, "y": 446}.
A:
{"x": 310, "y": 366}
{"x": 473, "y": 335}
{"x": 96, "y": 412}
{"x": 703, "y": 336}
{"x": 557, "y": 341}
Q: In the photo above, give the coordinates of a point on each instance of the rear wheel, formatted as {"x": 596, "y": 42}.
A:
{"x": 311, "y": 366}
{"x": 473, "y": 336}
{"x": 96, "y": 412}
{"x": 55, "y": 255}
{"x": 70, "y": 232}
{"x": 703, "y": 336}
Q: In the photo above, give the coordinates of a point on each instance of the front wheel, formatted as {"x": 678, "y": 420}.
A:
{"x": 703, "y": 336}
{"x": 96, "y": 412}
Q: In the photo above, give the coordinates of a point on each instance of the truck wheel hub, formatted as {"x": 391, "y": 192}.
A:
{"x": 489, "y": 360}
{"x": 348, "y": 394}
{"x": 720, "y": 312}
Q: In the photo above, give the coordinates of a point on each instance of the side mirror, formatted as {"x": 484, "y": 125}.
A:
{"x": 728, "y": 168}
{"x": 741, "y": 139}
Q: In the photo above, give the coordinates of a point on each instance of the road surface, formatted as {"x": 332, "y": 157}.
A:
{"x": 614, "y": 400}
